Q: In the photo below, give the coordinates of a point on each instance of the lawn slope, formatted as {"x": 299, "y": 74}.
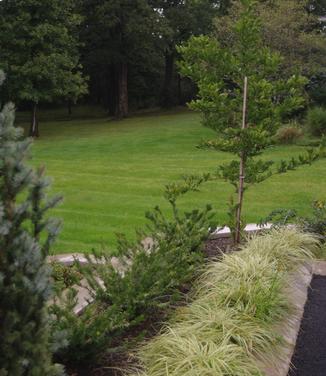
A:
{"x": 111, "y": 172}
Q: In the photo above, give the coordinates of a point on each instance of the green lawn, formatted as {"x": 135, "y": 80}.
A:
{"x": 111, "y": 172}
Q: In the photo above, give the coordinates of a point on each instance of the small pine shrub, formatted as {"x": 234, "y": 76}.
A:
{"x": 64, "y": 276}
{"x": 147, "y": 280}
{"x": 82, "y": 339}
{"x": 289, "y": 134}
{"x": 151, "y": 277}
{"x": 316, "y": 120}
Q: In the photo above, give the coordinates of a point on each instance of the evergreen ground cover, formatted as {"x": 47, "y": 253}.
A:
{"x": 110, "y": 173}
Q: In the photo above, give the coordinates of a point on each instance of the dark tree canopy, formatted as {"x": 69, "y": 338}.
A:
{"x": 182, "y": 19}
{"x": 117, "y": 34}
{"x": 39, "y": 51}
{"x": 288, "y": 27}
{"x": 127, "y": 50}
{"x": 318, "y": 7}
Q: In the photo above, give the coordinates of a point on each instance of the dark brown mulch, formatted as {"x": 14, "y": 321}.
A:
{"x": 215, "y": 248}
{"x": 121, "y": 358}
{"x": 309, "y": 358}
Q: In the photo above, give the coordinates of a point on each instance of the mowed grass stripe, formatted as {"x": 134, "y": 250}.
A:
{"x": 111, "y": 172}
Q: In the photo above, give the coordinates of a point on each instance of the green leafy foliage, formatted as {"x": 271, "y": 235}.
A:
{"x": 219, "y": 70}
{"x": 144, "y": 278}
{"x": 315, "y": 223}
{"x": 180, "y": 20}
{"x": 119, "y": 48}
{"x": 39, "y": 51}
{"x": 310, "y": 156}
{"x": 316, "y": 120}
{"x": 64, "y": 276}
{"x": 44, "y": 32}
{"x": 25, "y": 283}
{"x": 82, "y": 339}
{"x": 279, "y": 217}
{"x": 317, "y": 88}
{"x": 289, "y": 28}
{"x": 257, "y": 171}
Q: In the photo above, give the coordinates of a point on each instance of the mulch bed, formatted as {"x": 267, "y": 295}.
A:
{"x": 215, "y": 248}
{"x": 309, "y": 358}
{"x": 121, "y": 358}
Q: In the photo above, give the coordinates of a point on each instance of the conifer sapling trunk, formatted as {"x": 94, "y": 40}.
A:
{"x": 34, "y": 132}
{"x": 242, "y": 166}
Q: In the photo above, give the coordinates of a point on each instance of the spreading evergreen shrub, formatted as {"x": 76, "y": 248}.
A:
{"x": 82, "y": 339}
{"x": 24, "y": 276}
{"x": 144, "y": 279}
{"x": 64, "y": 276}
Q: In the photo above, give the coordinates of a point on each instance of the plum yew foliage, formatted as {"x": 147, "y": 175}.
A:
{"x": 219, "y": 71}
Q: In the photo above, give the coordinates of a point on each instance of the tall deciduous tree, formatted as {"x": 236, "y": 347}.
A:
{"x": 289, "y": 27}
{"x": 24, "y": 275}
{"x": 39, "y": 52}
{"x": 116, "y": 34}
{"x": 219, "y": 69}
{"x": 182, "y": 19}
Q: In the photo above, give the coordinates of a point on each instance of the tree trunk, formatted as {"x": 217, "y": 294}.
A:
{"x": 122, "y": 105}
{"x": 240, "y": 199}
{"x": 167, "y": 99}
{"x": 34, "y": 131}
{"x": 69, "y": 106}
{"x": 242, "y": 168}
{"x": 112, "y": 90}
{"x": 179, "y": 90}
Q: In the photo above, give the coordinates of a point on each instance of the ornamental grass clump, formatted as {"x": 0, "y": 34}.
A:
{"x": 289, "y": 134}
{"x": 229, "y": 328}
{"x": 288, "y": 247}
